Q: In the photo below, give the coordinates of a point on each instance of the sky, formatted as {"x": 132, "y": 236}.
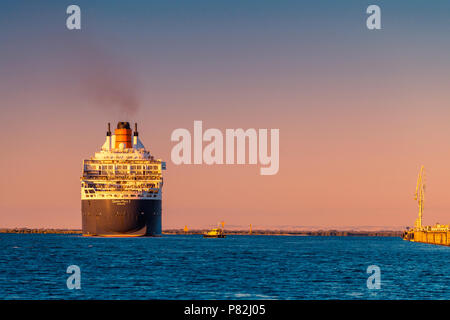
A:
{"x": 359, "y": 111}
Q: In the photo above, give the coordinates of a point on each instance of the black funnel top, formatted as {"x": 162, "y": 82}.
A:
{"x": 123, "y": 125}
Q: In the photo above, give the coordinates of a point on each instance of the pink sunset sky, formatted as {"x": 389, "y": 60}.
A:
{"x": 358, "y": 111}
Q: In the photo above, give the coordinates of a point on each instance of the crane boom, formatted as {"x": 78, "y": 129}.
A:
{"x": 420, "y": 195}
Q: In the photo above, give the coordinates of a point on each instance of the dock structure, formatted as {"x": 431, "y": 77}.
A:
{"x": 438, "y": 234}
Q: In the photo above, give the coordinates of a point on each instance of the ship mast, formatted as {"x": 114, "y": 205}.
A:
{"x": 420, "y": 196}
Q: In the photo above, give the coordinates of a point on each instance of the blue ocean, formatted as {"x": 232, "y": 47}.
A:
{"x": 34, "y": 266}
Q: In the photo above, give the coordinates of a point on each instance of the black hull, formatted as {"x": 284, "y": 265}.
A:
{"x": 121, "y": 217}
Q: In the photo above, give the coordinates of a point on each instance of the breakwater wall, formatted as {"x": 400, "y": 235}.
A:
{"x": 323, "y": 233}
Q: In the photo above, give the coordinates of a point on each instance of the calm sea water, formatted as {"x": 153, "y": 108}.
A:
{"x": 238, "y": 267}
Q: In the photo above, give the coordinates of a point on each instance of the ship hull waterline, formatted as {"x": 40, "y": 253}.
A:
{"x": 121, "y": 217}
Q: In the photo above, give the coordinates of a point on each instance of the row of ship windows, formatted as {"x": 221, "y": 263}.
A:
{"x": 121, "y": 196}
{"x": 121, "y": 172}
{"x": 121, "y": 166}
{"x": 114, "y": 189}
{"x": 85, "y": 214}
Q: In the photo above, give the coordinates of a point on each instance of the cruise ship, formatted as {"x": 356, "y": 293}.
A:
{"x": 121, "y": 187}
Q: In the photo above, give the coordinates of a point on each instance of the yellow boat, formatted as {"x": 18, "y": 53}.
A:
{"x": 214, "y": 233}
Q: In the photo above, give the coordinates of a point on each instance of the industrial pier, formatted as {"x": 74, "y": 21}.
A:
{"x": 437, "y": 234}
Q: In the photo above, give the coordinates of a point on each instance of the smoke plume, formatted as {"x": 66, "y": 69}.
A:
{"x": 107, "y": 81}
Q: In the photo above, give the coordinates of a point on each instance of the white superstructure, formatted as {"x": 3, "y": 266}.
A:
{"x": 122, "y": 170}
